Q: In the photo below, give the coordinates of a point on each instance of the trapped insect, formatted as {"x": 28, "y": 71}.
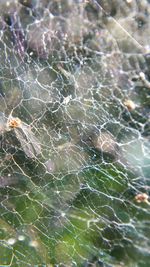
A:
{"x": 28, "y": 141}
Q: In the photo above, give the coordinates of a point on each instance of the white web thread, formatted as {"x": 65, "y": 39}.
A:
{"x": 91, "y": 213}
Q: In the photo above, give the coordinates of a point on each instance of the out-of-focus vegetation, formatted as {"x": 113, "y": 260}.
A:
{"x": 74, "y": 133}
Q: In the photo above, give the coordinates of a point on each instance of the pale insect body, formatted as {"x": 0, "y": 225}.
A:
{"x": 28, "y": 141}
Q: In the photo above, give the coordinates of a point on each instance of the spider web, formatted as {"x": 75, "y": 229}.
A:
{"x": 74, "y": 182}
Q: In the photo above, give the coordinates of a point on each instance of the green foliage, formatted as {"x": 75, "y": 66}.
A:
{"x": 74, "y": 169}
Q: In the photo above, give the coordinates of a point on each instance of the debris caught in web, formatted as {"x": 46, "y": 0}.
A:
{"x": 29, "y": 143}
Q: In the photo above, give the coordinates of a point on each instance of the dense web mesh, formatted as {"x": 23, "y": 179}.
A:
{"x": 74, "y": 133}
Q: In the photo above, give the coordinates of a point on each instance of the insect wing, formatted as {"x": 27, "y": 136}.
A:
{"x": 28, "y": 141}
